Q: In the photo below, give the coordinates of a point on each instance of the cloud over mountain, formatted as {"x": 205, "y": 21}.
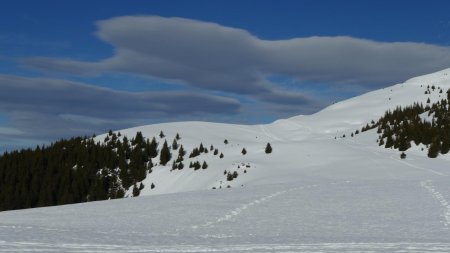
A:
{"x": 215, "y": 57}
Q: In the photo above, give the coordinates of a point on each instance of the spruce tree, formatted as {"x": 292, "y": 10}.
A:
{"x": 403, "y": 155}
{"x": 244, "y": 151}
{"x": 161, "y": 134}
{"x": 165, "y": 154}
{"x": 136, "y": 191}
{"x": 268, "y": 149}
{"x": 204, "y": 165}
{"x": 433, "y": 151}
{"x": 177, "y": 137}
{"x": 174, "y": 144}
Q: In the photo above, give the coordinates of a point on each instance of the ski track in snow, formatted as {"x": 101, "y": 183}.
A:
{"x": 269, "y": 135}
{"x": 312, "y": 247}
{"x": 428, "y": 185}
{"x": 237, "y": 211}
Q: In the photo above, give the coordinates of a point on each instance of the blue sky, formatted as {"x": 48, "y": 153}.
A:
{"x": 83, "y": 67}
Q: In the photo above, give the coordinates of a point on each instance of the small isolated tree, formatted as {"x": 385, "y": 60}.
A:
{"x": 230, "y": 176}
{"x": 152, "y": 186}
{"x": 221, "y": 155}
{"x": 244, "y": 151}
{"x": 180, "y": 166}
{"x": 428, "y": 101}
{"x": 204, "y": 165}
{"x": 268, "y": 148}
{"x": 165, "y": 155}
{"x": 177, "y": 137}
{"x": 216, "y": 151}
{"x": 225, "y": 141}
{"x": 403, "y": 155}
{"x": 161, "y": 135}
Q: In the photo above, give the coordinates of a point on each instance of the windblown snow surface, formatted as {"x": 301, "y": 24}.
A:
{"x": 314, "y": 193}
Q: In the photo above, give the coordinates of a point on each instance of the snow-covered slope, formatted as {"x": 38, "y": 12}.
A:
{"x": 313, "y": 193}
{"x": 300, "y": 144}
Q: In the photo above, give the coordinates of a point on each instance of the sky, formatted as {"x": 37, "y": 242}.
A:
{"x": 70, "y": 68}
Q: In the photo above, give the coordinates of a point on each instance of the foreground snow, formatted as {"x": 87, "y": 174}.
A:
{"x": 314, "y": 193}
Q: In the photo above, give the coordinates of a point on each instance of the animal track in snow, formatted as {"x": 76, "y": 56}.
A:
{"x": 438, "y": 196}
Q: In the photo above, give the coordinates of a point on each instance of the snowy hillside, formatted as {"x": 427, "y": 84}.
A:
{"x": 299, "y": 144}
{"x": 316, "y": 191}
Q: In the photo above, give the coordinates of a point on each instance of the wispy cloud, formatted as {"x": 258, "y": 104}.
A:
{"x": 52, "y": 108}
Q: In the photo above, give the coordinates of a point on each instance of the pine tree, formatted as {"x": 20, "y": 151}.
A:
{"x": 161, "y": 134}
{"x": 221, "y": 155}
{"x": 216, "y": 151}
{"x": 204, "y": 165}
{"x": 433, "y": 151}
{"x": 268, "y": 149}
{"x": 225, "y": 141}
{"x": 177, "y": 137}
{"x": 403, "y": 155}
{"x": 165, "y": 154}
{"x": 181, "y": 152}
{"x": 174, "y": 144}
{"x": 244, "y": 151}
{"x": 152, "y": 186}
{"x": 136, "y": 191}
{"x": 197, "y": 165}
{"x": 139, "y": 138}
{"x": 152, "y": 148}
{"x": 230, "y": 176}
{"x": 195, "y": 152}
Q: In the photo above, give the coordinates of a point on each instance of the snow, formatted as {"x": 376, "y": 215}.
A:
{"x": 313, "y": 193}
